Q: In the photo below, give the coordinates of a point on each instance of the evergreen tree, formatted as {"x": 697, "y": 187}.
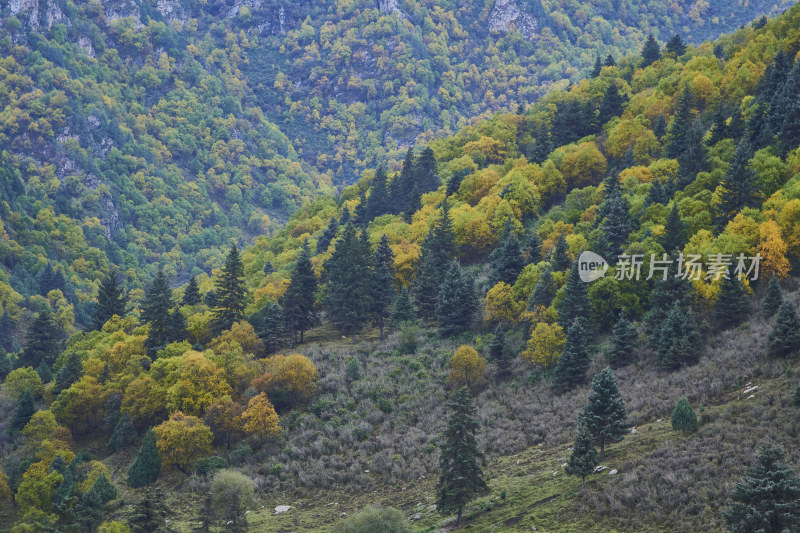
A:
{"x": 344, "y": 219}
{"x": 683, "y": 417}
{"x": 498, "y": 352}
{"x": 784, "y": 339}
{"x": 89, "y": 511}
{"x": 506, "y": 260}
{"x": 269, "y": 324}
{"x": 768, "y": 497}
{"x": 437, "y": 251}
{"x": 425, "y": 177}
{"x": 787, "y": 104}
{"x": 533, "y": 248}
{"x": 42, "y": 342}
{"x": 150, "y": 513}
{"x": 678, "y": 340}
{"x": 378, "y": 203}
{"x": 69, "y": 373}
{"x": 454, "y": 183}
{"x": 674, "y": 237}
{"x": 324, "y": 241}
{"x": 667, "y": 292}
{"x": 694, "y": 157}
{"x": 617, "y": 223}
{"x": 5, "y": 364}
{"x": 207, "y": 516}
{"x": 111, "y": 300}
{"x": 178, "y": 327}
{"x": 23, "y": 413}
{"x": 676, "y": 46}
{"x": 383, "y": 292}
{"x": 361, "y": 213}
{"x": 681, "y": 122}
{"x": 455, "y": 302}
{"x": 575, "y": 302}
{"x": 598, "y": 67}
{"x": 104, "y": 489}
{"x": 461, "y": 476}
{"x": 660, "y": 127}
{"x": 349, "y": 280}
{"x": 298, "y": 300}
{"x": 191, "y": 295}
{"x": 403, "y": 183}
{"x": 146, "y": 468}
{"x": 739, "y": 188}
{"x": 571, "y": 368}
{"x": 772, "y": 299}
{"x": 544, "y": 291}
{"x": 612, "y": 104}
{"x": 156, "y": 312}
{"x": 6, "y": 332}
{"x": 231, "y": 293}
{"x": 45, "y": 374}
{"x": 604, "y": 417}
{"x": 403, "y": 309}
{"x": 583, "y": 460}
{"x": 414, "y": 204}
{"x": 731, "y": 305}
{"x": 623, "y": 342}
{"x": 51, "y": 280}
{"x": 559, "y": 260}
{"x": 124, "y": 434}
{"x": 651, "y": 52}
{"x": 656, "y": 194}
{"x": 609, "y": 62}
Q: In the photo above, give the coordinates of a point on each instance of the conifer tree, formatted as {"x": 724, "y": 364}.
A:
{"x": 69, "y": 373}
{"x": 149, "y": 513}
{"x": 571, "y": 368}
{"x": 498, "y": 352}
{"x": 345, "y": 217}
{"x": 731, "y": 305}
{"x": 666, "y": 293}
{"x": 655, "y": 195}
{"x": 146, "y": 468}
{"x": 789, "y": 104}
{"x": 403, "y": 183}
{"x": 598, "y": 67}
{"x": 683, "y": 417}
{"x": 378, "y": 202}
{"x": 694, "y": 157}
{"x": 191, "y": 295}
{"x": 674, "y": 237}
{"x": 124, "y": 434}
{"x": 543, "y": 291}
{"x": 784, "y": 339}
{"x": 6, "y": 332}
{"x": 178, "y": 327}
{"x": 773, "y": 297}
{"x": 768, "y": 497}
{"x": 349, "y": 280}
{"x": 5, "y": 364}
{"x": 617, "y": 223}
{"x": 676, "y": 46}
{"x": 583, "y": 460}
{"x": 651, "y": 52}
{"x": 612, "y": 104}
{"x": 609, "y": 62}
{"x": 42, "y": 342}
{"x": 533, "y": 248}
{"x": 461, "y": 475}
{"x": 231, "y": 293}
{"x": 660, "y": 127}
{"x": 575, "y": 302}
{"x": 383, "y": 292}
{"x": 455, "y": 302}
{"x": 361, "y": 213}
{"x": 681, "y": 122}
{"x": 506, "y": 260}
{"x": 425, "y": 177}
{"x": 88, "y": 512}
{"x": 623, "y": 340}
{"x": 156, "y": 312}
{"x": 104, "y": 489}
{"x": 24, "y": 411}
{"x": 111, "y": 300}
{"x": 437, "y": 251}
{"x": 207, "y": 516}
{"x": 678, "y": 340}
{"x": 324, "y": 241}
{"x": 414, "y": 204}
{"x": 559, "y": 260}
{"x": 44, "y": 372}
{"x": 739, "y": 188}
{"x": 403, "y": 311}
{"x": 269, "y": 324}
{"x": 298, "y": 300}
{"x": 605, "y": 417}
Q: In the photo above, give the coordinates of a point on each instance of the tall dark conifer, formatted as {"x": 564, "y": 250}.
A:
{"x": 739, "y": 188}
{"x": 731, "y": 305}
{"x": 676, "y": 46}
{"x": 506, "y": 260}
{"x": 784, "y": 339}
{"x": 324, "y": 241}
{"x": 269, "y": 323}
{"x": 598, "y": 67}
{"x": 383, "y": 292}
{"x": 455, "y": 302}
{"x": 612, "y": 104}
{"x": 674, "y": 237}
{"x": 111, "y": 300}
{"x": 231, "y": 293}
{"x": 156, "y": 312}
{"x": 42, "y": 342}
{"x": 378, "y": 202}
{"x": 571, "y": 368}
{"x": 605, "y": 417}
{"x": 681, "y": 122}
{"x": 146, "y": 468}
{"x": 191, "y": 295}
{"x": 651, "y": 52}
{"x": 544, "y": 291}
{"x": 575, "y": 302}
{"x": 773, "y": 297}
{"x": 298, "y": 300}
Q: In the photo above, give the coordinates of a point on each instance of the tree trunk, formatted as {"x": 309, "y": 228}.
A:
{"x": 460, "y": 513}
{"x": 301, "y": 336}
{"x": 584, "y": 482}
{"x": 602, "y": 447}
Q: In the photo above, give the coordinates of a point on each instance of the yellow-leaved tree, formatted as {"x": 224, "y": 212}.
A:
{"x": 773, "y": 251}
{"x": 545, "y": 344}
{"x": 260, "y": 418}
{"x": 501, "y": 305}
{"x": 182, "y": 440}
{"x": 466, "y": 367}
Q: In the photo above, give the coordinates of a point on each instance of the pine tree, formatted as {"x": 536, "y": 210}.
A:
{"x": 345, "y": 217}
{"x": 104, "y": 489}
{"x": 361, "y": 213}
{"x": 5, "y": 364}
{"x": 124, "y": 434}
{"x": 383, "y": 292}
{"x": 676, "y": 46}
{"x": 533, "y": 248}
{"x": 617, "y": 223}
{"x": 231, "y": 293}
{"x": 461, "y": 476}
{"x": 378, "y": 202}
{"x": 768, "y": 497}
{"x": 571, "y": 368}
{"x": 651, "y": 52}
{"x": 559, "y": 260}
{"x": 403, "y": 183}
{"x": 674, "y": 237}
{"x": 111, "y": 300}
{"x": 149, "y": 513}
{"x": 656, "y": 194}
{"x": 324, "y": 241}
{"x": 604, "y": 416}
{"x": 612, "y": 104}
{"x": 42, "y": 342}
{"x": 69, "y": 373}
{"x": 191, "y": 295}
{"x": 156, "y": 312}
{"x": 789, "y": 104}
{"x": 6, "y": 332}
{"x": 623, "y": 342}
{"x": 349, "y": 280}
{"x": 24, "y": 411}
{"x": 583, "y": 460}
{"x": 178, "y": 327}
{"x": 665, "y": 293}
{"x": 89, "y": 511}
{"x": 598, "y": 67}
{"x": 207, "y": 516}
{"x": 544, "y": 291}
{"x": 681, "y": 122}
{"x": 298, "y": 300}
{"x": 784, "y": 339}
{"x": 660, "y": 127}
{"x": 50, "y": 280}
{"x": 678, "y": 340}
{"x": 425, "y": 177}
{"x": 146, "y": 468}
{"x": 575, "y": 302}
{"x": 506, "y": 260}
{"x": 498, "y": 352}
{"x": 45, "y": 374}
{"x": 683, "y": 417}
{"x": 403, "y": 311}
{"x": 609, "y": 62}
{"x": 772, "y": 299}
{"x": 437, "y": 251}
{"x": 731, "y": 305}
{"x": 694, "y": 157}
{"x": 269, "y": 324}
{"x": 455, "y": 302}
{"x": 739, "y": 188}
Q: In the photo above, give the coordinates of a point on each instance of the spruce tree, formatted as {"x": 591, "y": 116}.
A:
{"x": 45, "y": 374}
{"x": 533, "y": 248}
{"x": 623, "y": 341}
{"x": 739, "y": 188}
{"x": 605, "y": 417}
{"x": 437, "y": 252}
{"x": 678, "y": 339}
{"x": 651, "y": 52}
{"x": 324, "y": 241}
{"x": 681, "y": 122}
{"x": 656, "y": 194}
{"x": 146, "y": 468}
{"x": 612, "y": 104}
{"x": 5, "y": 364}
{"x": 731, "y": 305}
{"x": 683, "y": 417}
{"x": 345, "y": 217}
{"x": 660, "y": 127}
{"x": 69, "y": 373}
{"x": 498, "y": 353}
{"x": 42, "y": 342}
{"x": 402, "y": 185}
{"x": 378, "y": 202}
{"x": 361, "y": 213}
{"x": 104, "y": 489}
{"x": 455, "y": 302}
{"x": 676, "y": 46}
{"x": 571, "y": 368}
{"x": 768, "y": 497}
{"x": 178, "y": 327}
{"x": 773, "y": 298}
{"x": 559, "y": 260}
{"x": 598, "y": 67}
{"x": 789, "y": 104}
{"x": 425, "y": 177}
{"x": 124, "y": 434}
{"x": 617, "y": 224}
{"x": 149, "y": 513}
{"x": 207, "y": 516}
{"x": 609, "y": 62}
{"x": 88, "y": 512}
{"x": 459, "y": 461}
{"x": 231, "y": 293}
{"x": 784, "y": 339}
{"x": 575, "y": 302}
{"x": 269, "y": 324}
{"x": 403, "y": 311}
{"x": 383, "y": 292}
{"x": 583, "y": 460}
{"x": 111, "y": 300}
{"x": 298, "y": 300}
{"x": 156, "y": 312}
{"x": 23, "y": 413}
{"x": 7, "y": 329}
{"x": 506, "y": 260}
{"x": 544, "y": 291}
{"x": 666, "y": 293}
{"x": 191, "y": 295}
{"x": 694, "y": 157}
{"x": 674, "y": 237}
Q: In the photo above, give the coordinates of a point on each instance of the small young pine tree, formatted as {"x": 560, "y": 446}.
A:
{"x": 146, "y": 468}
{"x": 583, "y": 460}
{"x": 604, "y": 416}
{"x": 149, "y": 513}
{"x": 773, "y": 297}
{"x": 683, "y": 417}
{"x": 574, "y": 361}
{"x": 403, "y": 311}
{"x": 784, "y": 339}
{"x": 124, "y": 434}
{"x": 623, "y": 342}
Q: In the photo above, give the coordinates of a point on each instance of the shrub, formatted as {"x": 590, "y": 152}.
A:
{"x": 209, "y": 465}
{"x": 683, "y": 416}
{"x": 386, "y": 520}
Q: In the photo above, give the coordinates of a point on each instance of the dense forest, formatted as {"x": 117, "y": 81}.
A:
{"x": 388, "y": 328}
